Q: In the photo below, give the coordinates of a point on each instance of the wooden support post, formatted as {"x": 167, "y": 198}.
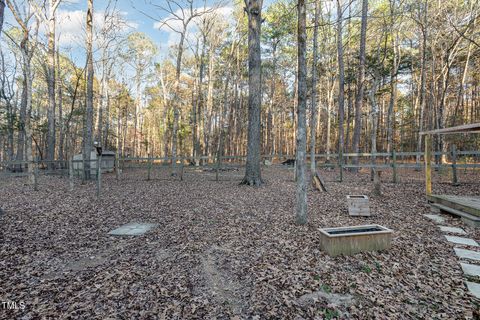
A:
{"x": 70, "y": 173}
{"x": 219, "y": 161}
{"x": 340, "y": 165}
{"x": 428, "y": 164}
{"x": 149, "y": 168}
{"x": 295, "y": 171}
{"x": 394, "y": 166}
{"x": 181, "y": 171}
{"x": 454, "y": 165}
{"x": 377, "y": 182}
{"x": 99, "y": 175}
{"x": 117, "y": 167}
{"x": 35, "y": 176}
{"x": 83, "y": 170}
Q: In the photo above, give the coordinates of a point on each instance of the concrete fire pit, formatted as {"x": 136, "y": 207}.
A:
{"x": 354, "y": 239}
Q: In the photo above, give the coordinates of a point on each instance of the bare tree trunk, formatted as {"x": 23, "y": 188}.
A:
{"x": 87, "y": 141}
{"x": 60, "y": 111}
{"x": 313, "y": 121}
{"x": 270, "y": 129}
{"x": 2, "y": 13}
{"x": 301, "y": 207}
{"x": 360, "y": 84}
{"x": 341, "y": 84}
{"x": 460, "y": 98}
{"x": 393, "y": 96}
{"x": 423, "y": 80}
{"x": 51, "y": 86}
{"x": 21, "y": 124}
{"x": 374, "y": 118}
{"x": 207, "y": 111}
{"x": 176, "y": 112}
{"x": 252, "y": 171}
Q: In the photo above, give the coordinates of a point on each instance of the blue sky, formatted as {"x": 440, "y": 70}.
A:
{"x": 71, "y": 19}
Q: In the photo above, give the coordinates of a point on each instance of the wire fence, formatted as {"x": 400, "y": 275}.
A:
{"x": 396, "y": 164}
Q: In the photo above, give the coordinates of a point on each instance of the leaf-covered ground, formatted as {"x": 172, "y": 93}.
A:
{"x": 222, "y": 250}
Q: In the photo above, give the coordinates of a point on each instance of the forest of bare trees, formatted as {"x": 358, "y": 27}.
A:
{"x": 377, "y": 73}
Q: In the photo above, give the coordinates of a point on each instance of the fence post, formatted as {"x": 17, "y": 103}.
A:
{"x": 428, "y": 164}
{"x": 377, "y": 182}
{"x": 117, "y": 167}
{"x": 99, "y": 174}
{"x": 70, "y": 173}
{"x": 35, "y": 176}
{"x": 149, "y": 168}
{"x": 454, "y": 165}
{"x": 394, "y": 166}
{"x": 219, "y": 160}
{"x": 340, "y": 164}
{"x": 83, "y": 170}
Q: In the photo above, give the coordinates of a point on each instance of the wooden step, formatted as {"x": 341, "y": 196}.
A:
{"x": 470, "y": 219}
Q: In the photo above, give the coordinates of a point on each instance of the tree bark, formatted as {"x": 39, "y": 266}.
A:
{"x": 423, "y": 81}
{"x": 313, "y": 121}
{"x": 252, "y": 170}
{"x": 176, "y": 111}
{"x": 341, "y": 84}
{"x": 2, "y": 13}
{"x": 301, "y": 205}
{"x": 51, "y": 84}
{"x": 360, "y": 84}
{"x": 87, "y": 141}
{"x": 60, "y": 112}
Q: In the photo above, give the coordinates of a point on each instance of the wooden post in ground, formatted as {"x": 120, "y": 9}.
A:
{"x": 35, "y": 176}
{"x": 295, "y": 171}
{"x": 149, "y": 168}
{"x": 70, "y": 173}
{"x": 454, "y": 165}
{"x": 99, "y": 175}
{"x": 340, "y": 164}
{"x": 394, "y": 166}
{"x": 377, "y": 183}
{"x": 117, "y": 167}
{"x": 83, "y": 170}
{"x": 218, "y": 166}
{"x": 428, "y": 164}
{"x": 181, "y": 171}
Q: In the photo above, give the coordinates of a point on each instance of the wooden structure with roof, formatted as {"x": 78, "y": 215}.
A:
{"x": 468, "y": 208}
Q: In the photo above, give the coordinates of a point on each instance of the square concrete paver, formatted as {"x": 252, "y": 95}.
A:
{"x": 467, "y": 254}
{"x": 435, "y": 217}
{"x": 132, "y": 229}
{"x": 474, "y": 288}
{"x": 464, "y": 241}
{"x": 452, "y": 230}
{"x": 471, "y": 269}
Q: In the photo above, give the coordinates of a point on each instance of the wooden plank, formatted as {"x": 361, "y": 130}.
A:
{"x": 318, "y": 182}
{"x": 467, "y": 128}
{"x": 470, "y": 205}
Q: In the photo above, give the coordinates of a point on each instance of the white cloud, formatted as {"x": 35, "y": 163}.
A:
{"x": 70, "y": 27}
{"x": 170, "y": 23}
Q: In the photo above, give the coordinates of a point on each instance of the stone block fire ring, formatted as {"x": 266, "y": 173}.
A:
{"x": 355, "y": 239}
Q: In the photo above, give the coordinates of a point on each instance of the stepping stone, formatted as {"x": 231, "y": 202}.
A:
{"x": 471, "y": 269}
{"x": 132, "y": 229}
{"x": 474, "y": 288}
{"x": 460, "y": 240}
{"x": 452, "y": 230}
{"x": 467, "y": 254}
{"x": 435, "y": 217}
